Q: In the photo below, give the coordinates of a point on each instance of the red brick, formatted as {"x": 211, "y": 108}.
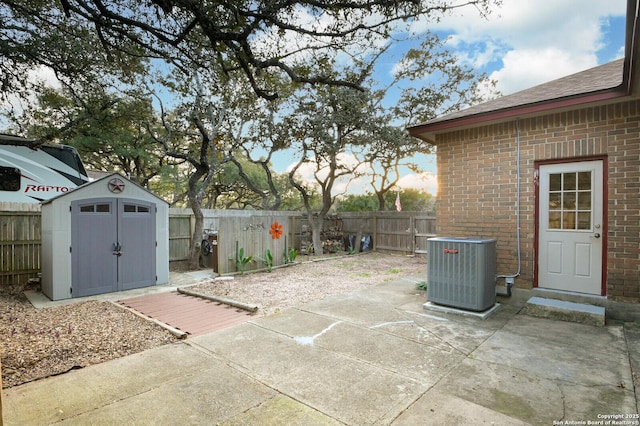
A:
{"x": 476, "y": 169}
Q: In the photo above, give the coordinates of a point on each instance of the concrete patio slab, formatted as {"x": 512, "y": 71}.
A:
{"x": 281, "y": 410}
{"x": 326, "y": 380}
{"x": 436, "y": 408}
{"x": 560, "y": 350}
{"x": 211, "y": 392}
{"x": 371, "y": 357}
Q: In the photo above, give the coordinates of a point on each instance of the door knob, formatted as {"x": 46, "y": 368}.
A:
{"x": 597, "y": 235}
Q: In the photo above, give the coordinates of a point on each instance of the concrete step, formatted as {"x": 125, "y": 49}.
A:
{"x": 565, "y": 311}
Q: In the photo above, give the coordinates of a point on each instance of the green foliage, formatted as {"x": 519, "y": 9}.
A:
{"x": 242, "y": 260}
{"x": 289, "y": 255}
{"x": 231, "y": 191}
{"x": 105, "y": 128}
{"x": 414, "y": 200}
{"x": 293, "y": 253}
{"x": 268, "y": 260}
{"x": 357, "y": 203}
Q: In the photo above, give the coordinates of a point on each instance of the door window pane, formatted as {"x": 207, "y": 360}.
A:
{"x": 569, "y": 220}
{"x": 132, "y": 208}
{"x": 96, "y": 208}
{"x": 584, "y": 200}
{"x": 584, "y": 220}
{"x": 584, "y": 181}
{"x": 569, "y": 200}
{"x": 570, "y": 205}
{"x": 569, "y": 181}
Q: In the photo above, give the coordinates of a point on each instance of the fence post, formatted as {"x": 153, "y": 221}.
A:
{"x": 375, "y": 231}
{"x": 412, "y": 234}
{"x": 292, "y": 232}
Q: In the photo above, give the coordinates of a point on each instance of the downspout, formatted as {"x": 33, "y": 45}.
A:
{"x": 510, "y": 279}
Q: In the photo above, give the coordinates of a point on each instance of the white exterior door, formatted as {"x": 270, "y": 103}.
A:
{"x": 570, "y": 227}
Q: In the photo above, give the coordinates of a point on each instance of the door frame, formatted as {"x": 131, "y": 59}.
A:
{"x": 605, "y": 221}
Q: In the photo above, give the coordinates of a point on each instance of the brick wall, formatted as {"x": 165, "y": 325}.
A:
{"x": 477, "y": 184}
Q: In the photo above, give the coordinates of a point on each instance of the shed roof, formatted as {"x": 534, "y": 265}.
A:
{"x": 601, "y": 84}
{"x": 103, "y": 179}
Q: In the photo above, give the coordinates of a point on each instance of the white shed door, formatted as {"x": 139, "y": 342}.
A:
{"x": 113, "y": 245}
{"x": 571, "y": 227}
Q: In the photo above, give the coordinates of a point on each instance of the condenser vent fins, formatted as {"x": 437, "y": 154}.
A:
{"x": 461, "y": 272}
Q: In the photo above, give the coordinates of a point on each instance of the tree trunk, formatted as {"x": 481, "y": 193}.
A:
{"x": 195, "y": 202}
{"x": 316, "y": 233}
{"x": 381, "y": 203}
{"x": 196, "y": 238}
{"x": 358, "y": 242}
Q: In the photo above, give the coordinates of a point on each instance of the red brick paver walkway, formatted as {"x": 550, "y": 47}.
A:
{"x": 192, "y": 315}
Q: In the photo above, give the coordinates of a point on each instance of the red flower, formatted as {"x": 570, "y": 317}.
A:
{"x": 276, "y": 230}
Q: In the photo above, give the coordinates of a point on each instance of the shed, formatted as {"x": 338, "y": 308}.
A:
{"x": 105, "y": 236}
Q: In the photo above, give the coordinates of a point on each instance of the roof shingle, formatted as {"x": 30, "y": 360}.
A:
{"x": 603, "y": 77}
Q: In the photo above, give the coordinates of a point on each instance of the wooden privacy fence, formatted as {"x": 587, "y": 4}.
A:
{"x": 405, "y": 232}
{"x": 19, "y": 242}
{"x": 249, "y": 227}
{"x": 399, "y": 232}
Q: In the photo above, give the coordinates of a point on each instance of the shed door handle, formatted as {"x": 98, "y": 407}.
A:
{"x": 117, "y": 249}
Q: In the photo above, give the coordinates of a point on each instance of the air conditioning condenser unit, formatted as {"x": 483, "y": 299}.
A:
{"x": 461, "y": 272}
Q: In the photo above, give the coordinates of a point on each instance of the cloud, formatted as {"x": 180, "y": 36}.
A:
{"x": 14, "y": 104}
{"x": 425, "y": 181}
{"x": 351, "y": 184}
{"x": 526, "y": 68}
{"x": 296, "y": 47}
{"x": 525, "y": 42}
{"x": 46, "y": 76}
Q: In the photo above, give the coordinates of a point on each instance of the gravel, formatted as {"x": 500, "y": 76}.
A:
{"x": 38, "y": 343}
{"x": 313, "y": 279}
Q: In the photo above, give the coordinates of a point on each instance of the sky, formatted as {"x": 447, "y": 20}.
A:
{"x": 520, "y": 45}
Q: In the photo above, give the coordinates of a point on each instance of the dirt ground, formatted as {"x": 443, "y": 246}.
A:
{"x": 37, "y": 343}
